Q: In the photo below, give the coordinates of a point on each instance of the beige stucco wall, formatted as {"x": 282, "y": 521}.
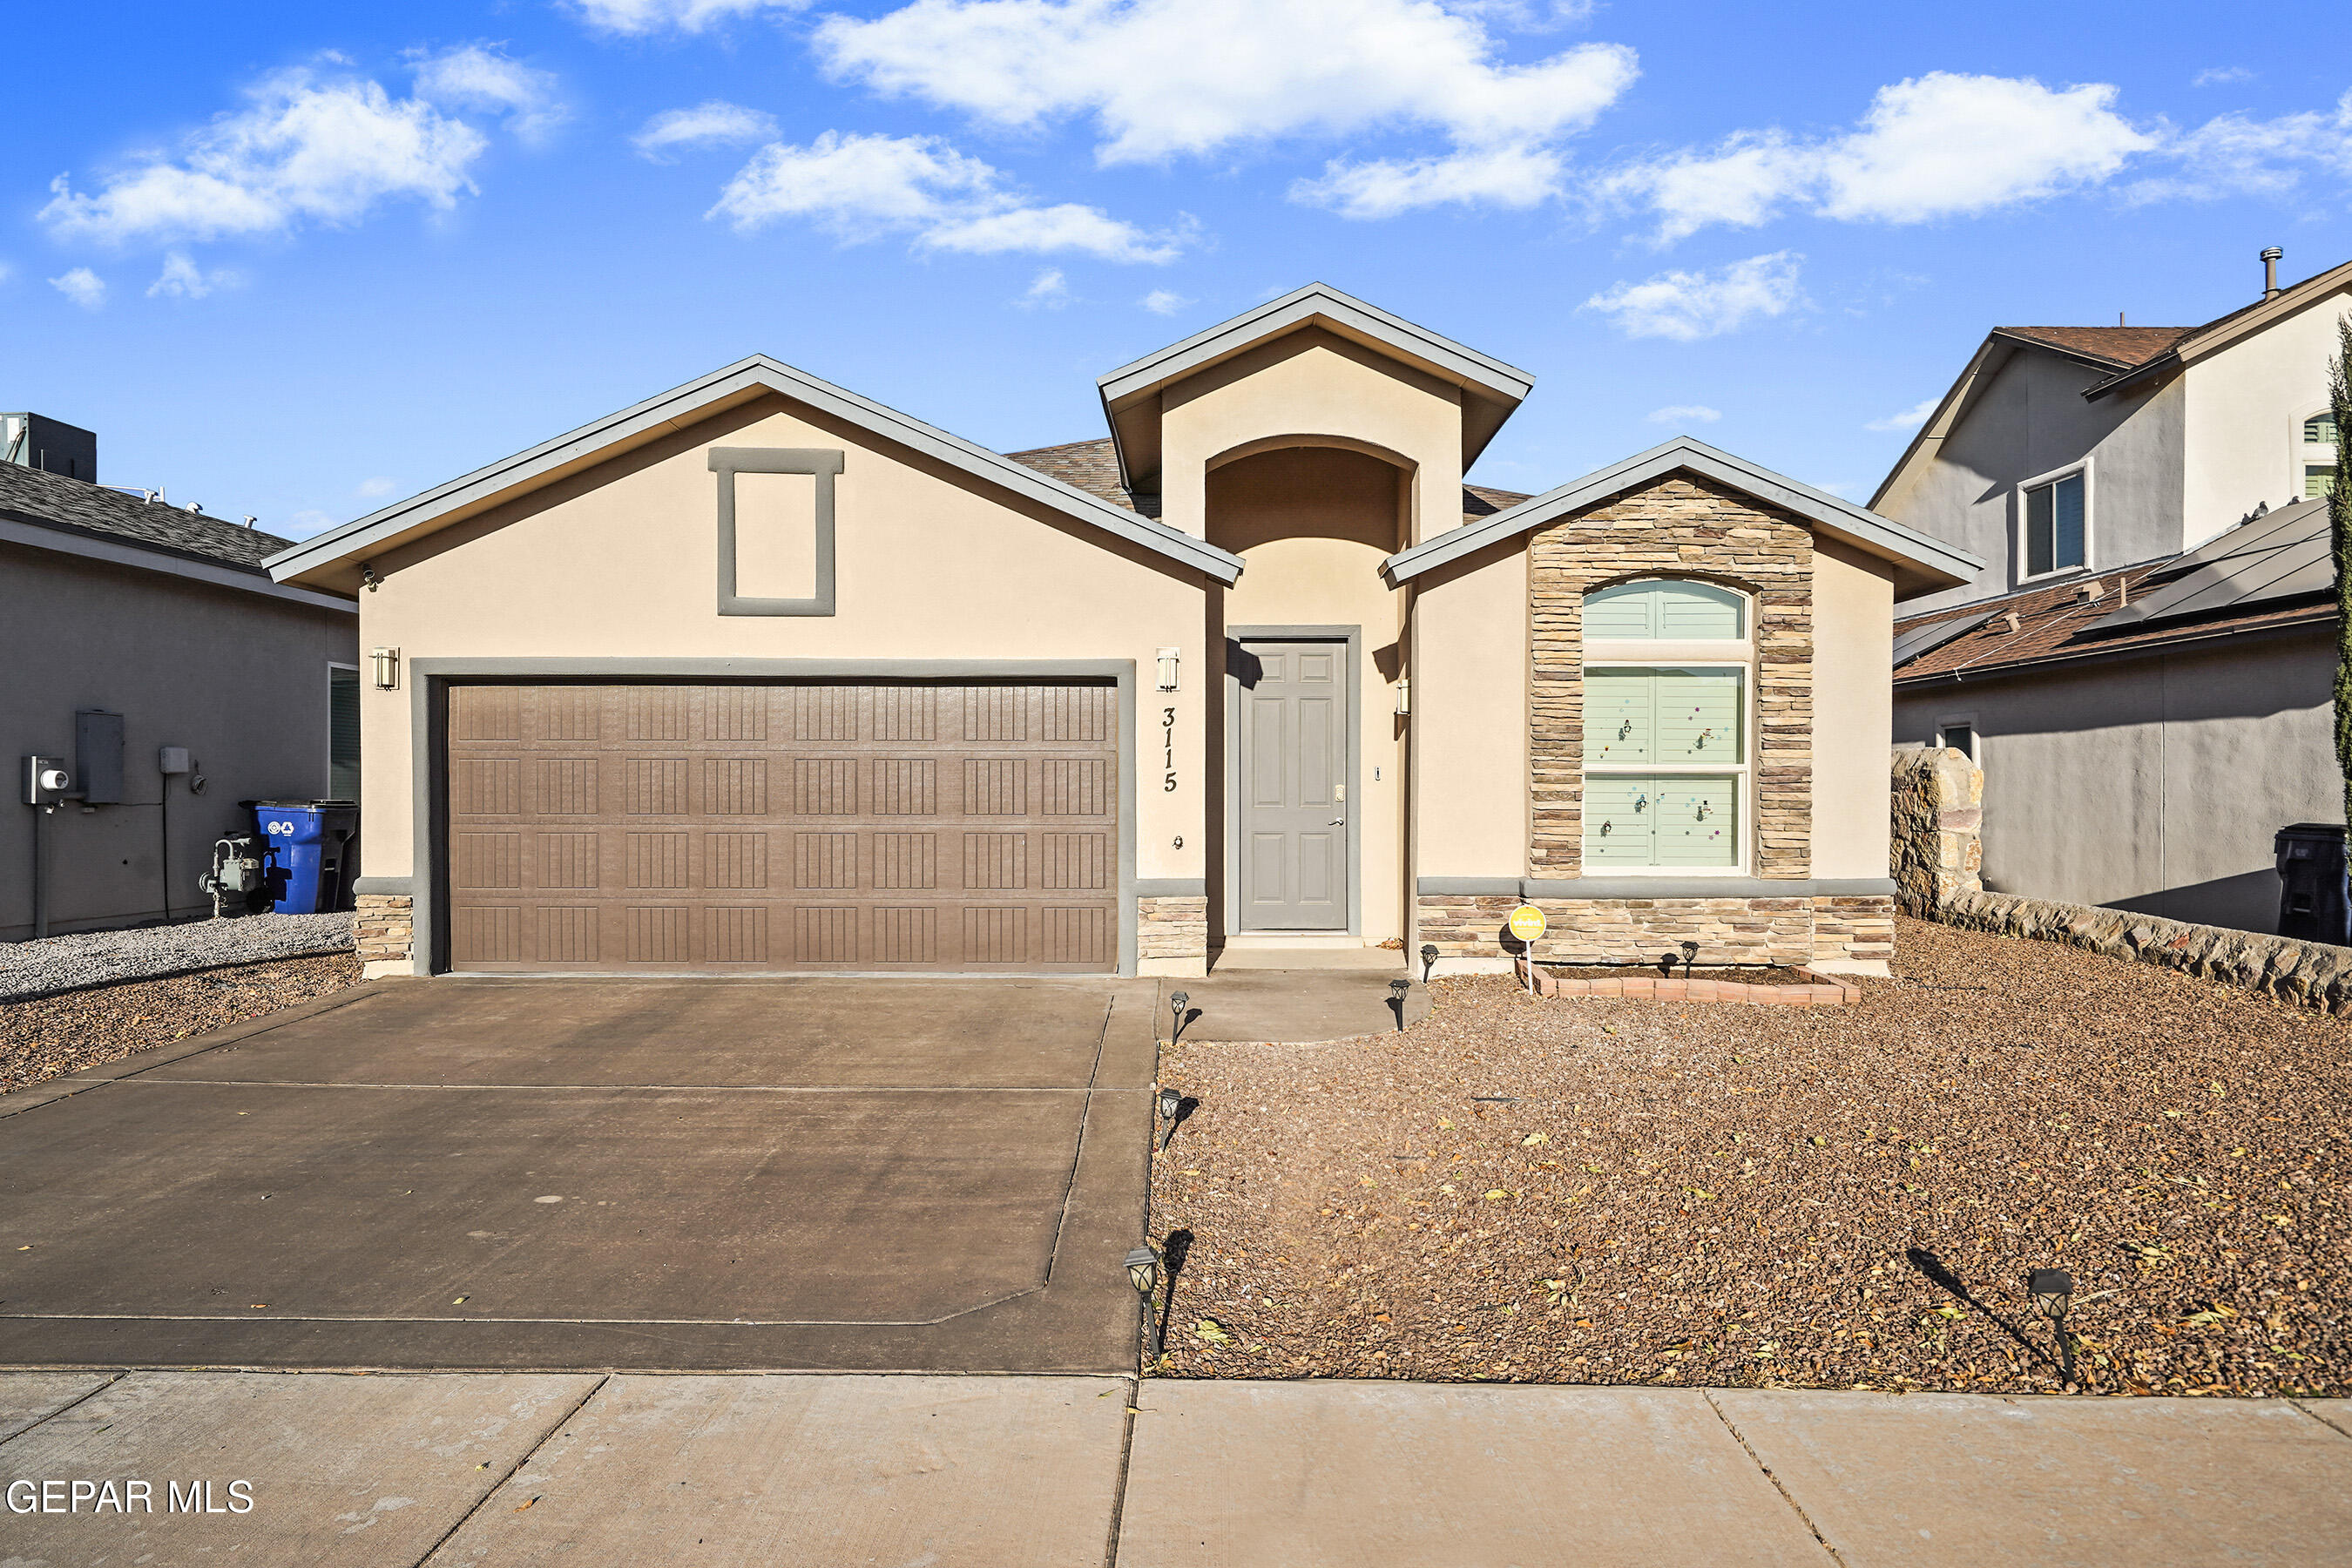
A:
{"x": 1853, "y": 639}
{"x": 2152, "y": 785}
{"x": 2246, "y": 405}
{"x": 1470, "y": 715}
{"x": 620, "y": 563}
{"x": 1311, "y": 382}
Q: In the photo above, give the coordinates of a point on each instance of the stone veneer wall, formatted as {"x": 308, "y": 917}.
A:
{"x": 383, "y": 928}
{"x": 1813, "y": 928}
{"x": 1939, "y": 828}
{"x": 1172, "y": 928}
{"x": 1681, "y": 526}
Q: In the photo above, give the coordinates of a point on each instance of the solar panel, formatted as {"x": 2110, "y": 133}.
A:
{"x": 2282, "y": 555}
{"x": 1929, "y": 636}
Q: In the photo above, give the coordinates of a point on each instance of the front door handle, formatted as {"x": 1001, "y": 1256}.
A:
{"x": 1339, "y": 822}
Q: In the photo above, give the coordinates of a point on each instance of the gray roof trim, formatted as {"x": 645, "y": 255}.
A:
{"x": 1296, "y": 309}
{"x": 1936, "y": 564}
{"x": 118, "y": 551}
{"x": 681, "y": 405}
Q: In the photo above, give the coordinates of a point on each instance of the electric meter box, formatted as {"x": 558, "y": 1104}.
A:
{"x": 47, "y": 779}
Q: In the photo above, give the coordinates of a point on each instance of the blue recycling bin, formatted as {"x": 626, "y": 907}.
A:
{"x": 310, "y": 843}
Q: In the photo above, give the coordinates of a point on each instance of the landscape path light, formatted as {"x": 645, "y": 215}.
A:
{"x": 1177, "y": 1002}
{"x": 1428, "y": 958}
{"x": 1397, "y": 989}
{"x": 1143, "y": 1273}
{"x": 2052, "y": 1290}
{"x": 1690, "y": 956}
{"x": 1168, "y": 1102}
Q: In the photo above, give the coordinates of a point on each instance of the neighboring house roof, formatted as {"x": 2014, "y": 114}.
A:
{"x": 339, "y": 551}
{"x": 53, "y": 500}
{"x": 1923, "y": 564}
{"x": 1491, "y": 390}
{"x": 2271, "y": 573}
{"x": 50, "y": 511}
{"x": 2128, "y": 355}
{"x": 1093, "y": 466}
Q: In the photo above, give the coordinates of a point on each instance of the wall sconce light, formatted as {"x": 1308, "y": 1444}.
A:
{"x": 1168, "y": 668}
{"x": 387, "y": 668}
{"x": 1405, "y": 697}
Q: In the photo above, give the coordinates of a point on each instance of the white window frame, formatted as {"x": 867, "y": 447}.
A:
{"x": 1946, "y": 720}
{"x": 2085, "y": 467}
{"x": 1710, "y": 654}
{"x": 327, "y": 778}
{"x": 2303, "y": 454}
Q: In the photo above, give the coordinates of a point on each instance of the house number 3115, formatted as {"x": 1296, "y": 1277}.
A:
{"x": 1168, "y": 748}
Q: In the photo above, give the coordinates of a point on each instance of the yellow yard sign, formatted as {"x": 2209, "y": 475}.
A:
{"x": 1527, "y": 923}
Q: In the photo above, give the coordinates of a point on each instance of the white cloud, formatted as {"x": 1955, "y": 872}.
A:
{"x": 864, "y": 187}
{"x": 636, "y": 19}
{"x": 83, "y": 287}
{"x": 305, "y": 523}
{"x": 1685, "y": 306}
{"x": 370, "y": 489}
{"x": 1910, "y": 418}
{"x": 1164, "y": 302}
{"x": 479, "y": 77}
{"x": 1940, "y": 145}
{"x": 1684, "y": 413}
{"x": 1511, "y": 177}
{"x": 1049, "y": 290}
{"x": 302, "y": 150}
{"x": 2235, "y": 155}
{"x": 181, "y": 279}
{"x": 1228, "y": 73}
{"x": 711, "y": 123}
{"x": 2220, "y": 75}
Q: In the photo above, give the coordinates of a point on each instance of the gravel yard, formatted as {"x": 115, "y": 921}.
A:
{"x": 1614, "y": 1191}
{"x": 50, "y": 1036}
{"x": 103, "y": 957}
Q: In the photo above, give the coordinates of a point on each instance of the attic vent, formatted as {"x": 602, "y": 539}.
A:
{"x": 2090, "y": 591}
{"x": 2010, "y": 623}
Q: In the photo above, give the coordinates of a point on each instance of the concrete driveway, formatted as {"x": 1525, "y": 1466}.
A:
{"x": 545, "y": 1174}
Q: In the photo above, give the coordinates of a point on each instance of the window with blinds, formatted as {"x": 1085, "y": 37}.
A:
{"x": 2055, "y": 532}
{"x": 1638, "y": 719}
{"x": 2318, "y": 480}
{"x": 343, "y": 734}
{"x": 1664, "y": 612}
{"x": 2319, "y": 430}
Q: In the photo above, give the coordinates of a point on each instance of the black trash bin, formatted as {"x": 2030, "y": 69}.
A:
{"x": 2311, "y": 882}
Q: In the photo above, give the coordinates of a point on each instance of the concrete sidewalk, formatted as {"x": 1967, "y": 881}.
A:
{"x": 441, "y": 1469}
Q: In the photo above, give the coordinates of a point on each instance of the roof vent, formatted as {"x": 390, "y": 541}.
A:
{"x": 2010, "y": 623}
{"x": 2090, "y": 590}
{"x": 2271, "y": 253}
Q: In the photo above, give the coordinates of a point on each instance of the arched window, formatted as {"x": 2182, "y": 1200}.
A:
{"x": 1665, "y": 728}
{"x": 2318, "y": 457}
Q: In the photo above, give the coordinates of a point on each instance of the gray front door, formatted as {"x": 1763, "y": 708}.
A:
{"x": 1293, "y": 832}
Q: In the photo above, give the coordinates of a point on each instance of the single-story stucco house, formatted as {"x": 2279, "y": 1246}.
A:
{"x": 758, "y": 675}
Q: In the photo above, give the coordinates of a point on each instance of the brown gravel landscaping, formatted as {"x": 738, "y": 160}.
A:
{"x": 83, "y": 1029}
{"x": 1594, "y": 1190}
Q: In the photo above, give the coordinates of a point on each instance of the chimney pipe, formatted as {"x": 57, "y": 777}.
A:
{"x": 2271, "y": 255}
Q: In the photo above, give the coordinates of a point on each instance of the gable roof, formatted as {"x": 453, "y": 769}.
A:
{"x": 2127, "y": 354}
{"x": 339, "y": 551}
{"x": 1093, "y": 466}
{"x": 2273, "y": 573}
{"x": 1491, "y": 389}
{"x": 1922, "y": 564}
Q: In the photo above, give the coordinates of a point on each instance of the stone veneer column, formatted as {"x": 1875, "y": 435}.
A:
{"x": 383, "y": 928}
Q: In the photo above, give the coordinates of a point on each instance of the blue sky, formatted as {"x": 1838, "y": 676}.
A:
{"x": 297, "y": 260}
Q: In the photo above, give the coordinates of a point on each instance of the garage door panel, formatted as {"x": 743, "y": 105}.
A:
{"x": 781, "y": 827}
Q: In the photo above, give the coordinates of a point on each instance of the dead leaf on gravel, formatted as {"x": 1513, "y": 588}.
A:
{"x": 1212, "y": 1332}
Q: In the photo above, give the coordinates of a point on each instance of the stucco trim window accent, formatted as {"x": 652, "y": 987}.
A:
{"x": 820, "y": 461}
{"x": 2054, "y": 523}
{"x": 1687, "y": 526}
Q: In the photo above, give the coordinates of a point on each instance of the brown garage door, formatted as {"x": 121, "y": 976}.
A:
{"x": 729, "y": 829}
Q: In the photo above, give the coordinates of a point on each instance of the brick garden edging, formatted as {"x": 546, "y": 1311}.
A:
{"x": 2301, "y": 974}
{"x": 1825, "y": 991}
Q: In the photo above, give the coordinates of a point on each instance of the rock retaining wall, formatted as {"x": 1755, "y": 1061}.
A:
{"x": 2303, "y": 974}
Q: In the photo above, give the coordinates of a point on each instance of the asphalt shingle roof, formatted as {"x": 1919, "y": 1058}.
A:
{"x": 1093, "y": 466}
{"x": 2121, "y": 347}
{"x": 52, "y": 500}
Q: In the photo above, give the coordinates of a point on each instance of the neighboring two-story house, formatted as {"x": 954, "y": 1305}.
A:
{"x": 2144, "y": 665}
